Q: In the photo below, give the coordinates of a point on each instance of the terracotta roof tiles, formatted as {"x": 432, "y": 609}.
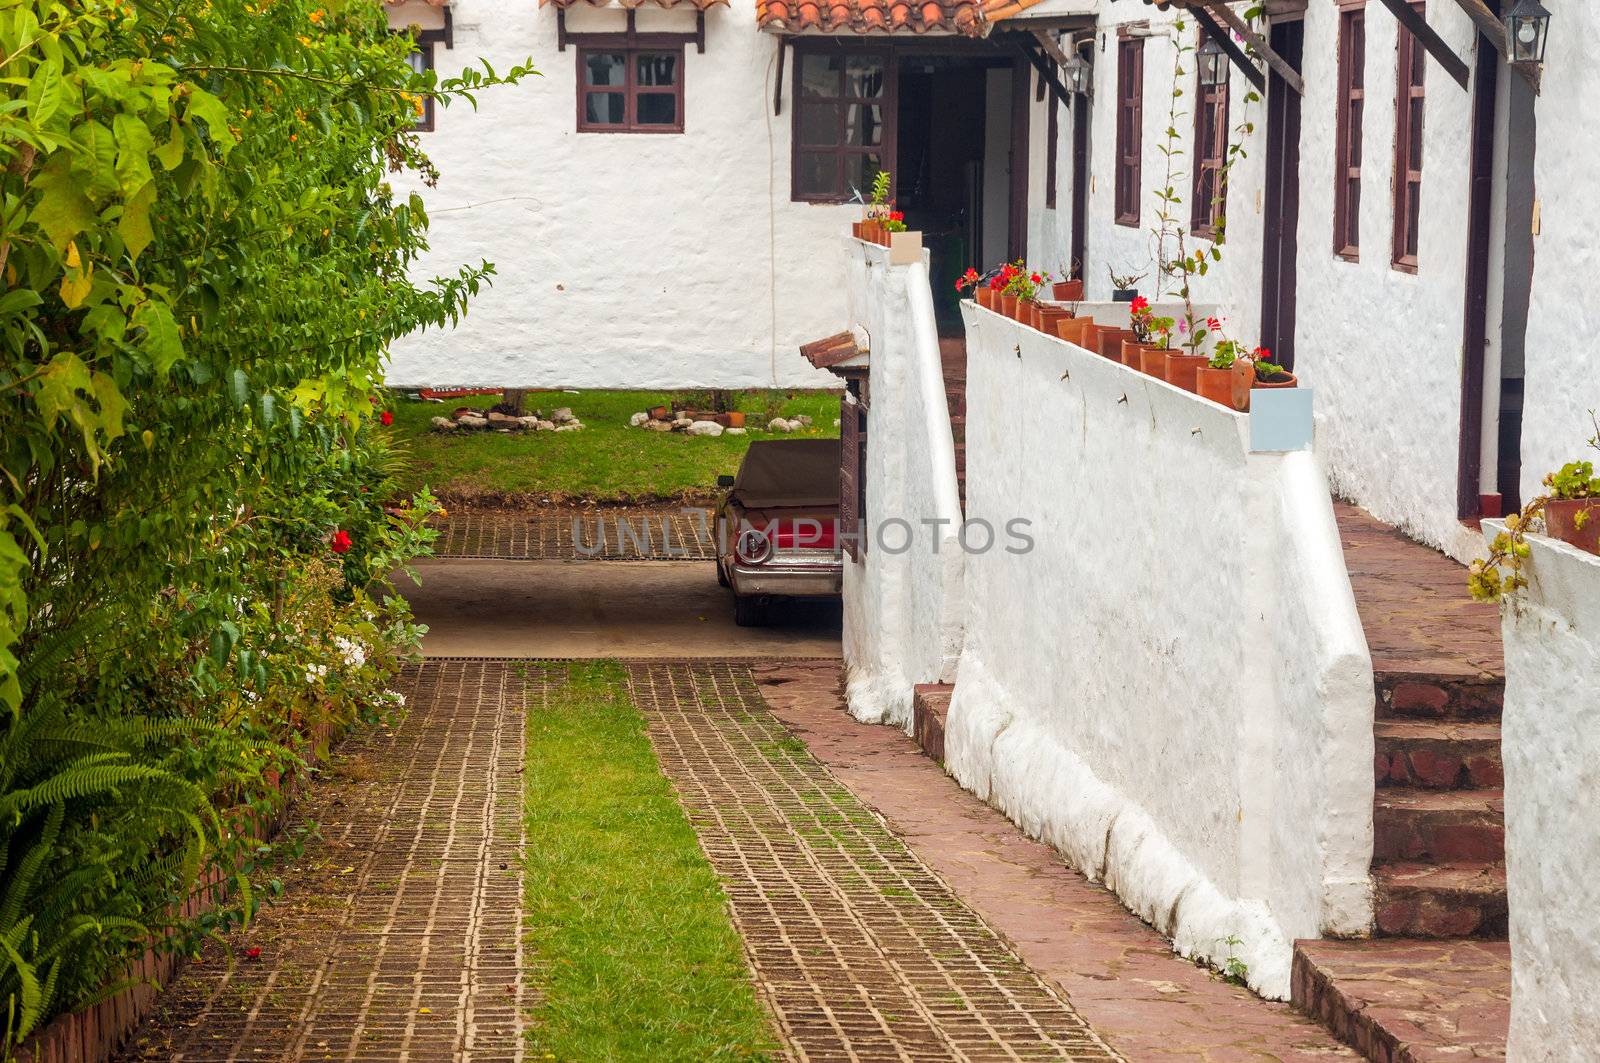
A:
{"x": 699, "y": 5}
{"x": 829, "y": 352}
{"x": 871, "y": 16}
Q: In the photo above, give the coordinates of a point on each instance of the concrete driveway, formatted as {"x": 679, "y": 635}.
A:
{"x": 670, "y": 609}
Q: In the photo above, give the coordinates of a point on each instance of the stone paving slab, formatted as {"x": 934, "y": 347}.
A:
{"x": 612, "y": 533}
{"x": 1120, "y": 975}
{"x": 1414, "y": 604}
{"x": 400, "y": 935}
{"x": 859, "y": 949}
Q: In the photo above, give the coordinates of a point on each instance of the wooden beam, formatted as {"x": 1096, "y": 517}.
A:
{"x": 777, "y": 86}
{"x": 1221, "y": 10}
{"x": 1042, "y": 65}
{"x": 1047, "y": 42}
{"x": 1453, "y": 64}
{"x": 1488, "y": 23}
{"x": 1235, "y": 54}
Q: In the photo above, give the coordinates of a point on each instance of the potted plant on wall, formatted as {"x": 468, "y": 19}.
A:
{"x": 1069, "y": 290}
{"x": 1152, "y": 335}
{"x": 1020, "y": 291}
{"x": 1570, "y": 512}
{"x": 1124, "y": 286}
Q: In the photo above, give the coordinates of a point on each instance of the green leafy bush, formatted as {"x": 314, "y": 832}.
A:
{"x": 203, "y": 264}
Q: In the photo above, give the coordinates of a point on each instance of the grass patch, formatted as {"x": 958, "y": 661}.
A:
{"x": 634, "y": 957}
{"x": 608, "y": 461}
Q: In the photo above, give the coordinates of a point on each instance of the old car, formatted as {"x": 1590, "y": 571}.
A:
{"x": 776, "y": 528}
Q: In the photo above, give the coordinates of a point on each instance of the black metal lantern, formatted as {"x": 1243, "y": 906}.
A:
{"x": 1213, "y": 63}
{"x": 1080, "y": 74}
{"x": 1527, "y": 29}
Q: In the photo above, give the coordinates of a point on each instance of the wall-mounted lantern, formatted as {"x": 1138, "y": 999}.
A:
{"x": 1527, "y": 28}
{"x": 1079, "y": 73}
{"x": 1213, "y": 63}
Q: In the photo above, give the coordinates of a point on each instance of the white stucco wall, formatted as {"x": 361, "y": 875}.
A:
{"x": 902, "y": 607}
{"x": 1551, "y": 746}
{"x": 1563, "y": 365}
{"x": 662, "y": 260}
{"x": 1173, "y": 687}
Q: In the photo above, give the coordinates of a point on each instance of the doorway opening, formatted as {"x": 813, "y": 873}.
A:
{"x": 954, "y": 167}
{"x": 1282, "y": 215}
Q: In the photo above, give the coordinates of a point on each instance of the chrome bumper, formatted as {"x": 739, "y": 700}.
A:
{"x": 817, "y": 577}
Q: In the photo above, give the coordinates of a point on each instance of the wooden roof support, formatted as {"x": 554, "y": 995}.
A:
{"x": 1051, "y": 48}
{"x": 1278, "y": 63}
{"x": 1425, "y": 35}
{"x": 1042, "y": 65}
{"x": 1234, "y": 53}
{"x": 1490, "y": 26}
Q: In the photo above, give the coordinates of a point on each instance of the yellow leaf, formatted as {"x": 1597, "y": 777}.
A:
{"x": 78, "y": 279}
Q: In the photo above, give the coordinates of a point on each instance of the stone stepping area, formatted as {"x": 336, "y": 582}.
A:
{"x": 858, "y": 948}
{"x": 399, "y": 936}
{"x": 647, "y": 533}
{"x": 1435, "y": 983}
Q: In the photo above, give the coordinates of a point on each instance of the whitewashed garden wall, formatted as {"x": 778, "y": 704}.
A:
{"x": 1173, "y": 687}
{"x": 903, "y": 597}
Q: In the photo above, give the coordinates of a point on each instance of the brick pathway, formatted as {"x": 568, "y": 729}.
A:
{"x": 399, "y": 937}
{"x": 859, "y": 949}
{"x": 657, "y": 533}
{"x": 1120, "y": 975}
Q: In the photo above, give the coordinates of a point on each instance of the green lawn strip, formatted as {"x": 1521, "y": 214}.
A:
{"x": 633, "y": 956}
{"x": 607, "y": 461}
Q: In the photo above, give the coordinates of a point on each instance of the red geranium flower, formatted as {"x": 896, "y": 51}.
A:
{"x": 386, "y": 418}
{"x": 340, "y": 543}
{"x": 253, "y": 952}
{"x": 1213, "y": 324}
{"x": 1035, "y": 278}
{"x": 897, "y": 215}
{"x": 1139, "y": 305}
{"x": 1263, "y": 354}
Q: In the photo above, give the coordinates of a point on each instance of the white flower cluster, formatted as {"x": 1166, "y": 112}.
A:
{"x": 396, "y": 697}
{"x": 315, "y": 672}
{"x": 355, "y": 654}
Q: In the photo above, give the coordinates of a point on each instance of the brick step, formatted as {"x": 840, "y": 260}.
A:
{"x": 1441, "y": 901}
{"x": 1445, "y": 755}
{"x": 930, "y": 705}
{"x": 1438, "y": 826}
{"x": 1439, "y": 695}
{"x": 1399, "y": 1000}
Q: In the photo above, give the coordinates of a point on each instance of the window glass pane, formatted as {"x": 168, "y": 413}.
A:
{"x": 1419, "y": 61}
{"x": 859, "y": 170}
{"x": 656, "y": 108}
{"x": 603, "y": 108}
{"x": 1413, "y": 212}
{"x": 819, "y": 173}
{"x": 418, "y": 61}
{"x": 605, "y": 68}
{"x": 1358, "y": 52}
{"x": 863, "y": 76}
{"x": 820, "y": 75}
{"x": 1354, "y": 133}
{"x": 657, "y": 69}
{"x": 863, "y": 125}
{"x": 1352, "y": 213}
{"x": 819, "y": 124}
{"x": 1415, "y": 131}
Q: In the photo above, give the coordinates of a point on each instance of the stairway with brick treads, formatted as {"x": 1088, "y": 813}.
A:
{"x": 1434, "y": 982}
{"x": 953, "y": 357}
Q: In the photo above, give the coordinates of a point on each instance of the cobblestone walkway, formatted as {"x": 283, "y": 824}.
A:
{"x": 399, "y": 937}
{"x": 860, "y": 950}
{"x": 654, "y": 533}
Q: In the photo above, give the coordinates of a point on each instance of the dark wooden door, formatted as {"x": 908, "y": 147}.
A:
{"x": 1080, "y": 182}
{"x": 1282, "y": 201}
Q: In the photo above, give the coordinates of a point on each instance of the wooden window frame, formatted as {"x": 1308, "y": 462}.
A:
{"x": 888, "y": 102}
{"x": 1347, "y": 147}
{"x": 1210, "y": 155}
{"x": 631, "y": 46}
{"x": 423, "y": 42}
{"x": 1128, "y": 191}
{"x": 1407, "y": 191}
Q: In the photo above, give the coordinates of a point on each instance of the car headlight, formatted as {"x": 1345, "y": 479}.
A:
{"x": 753, "y": 547}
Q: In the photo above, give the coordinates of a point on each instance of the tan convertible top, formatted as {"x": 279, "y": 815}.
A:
{"x": 789, "y": 472}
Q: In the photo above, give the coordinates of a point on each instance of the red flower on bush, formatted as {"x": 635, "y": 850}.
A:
{"x": 386, "y": 418}
{"x": 253, "y": 952}
{"x": 897, "y": 215}
{"x": 340, "y": 542}
{"x": 1139, "y": 305}
{"x": 969, "y": 279}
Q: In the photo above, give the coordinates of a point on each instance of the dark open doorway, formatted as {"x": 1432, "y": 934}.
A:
{"x": 955, "y": 172}
{"x": 1282, "y": 214}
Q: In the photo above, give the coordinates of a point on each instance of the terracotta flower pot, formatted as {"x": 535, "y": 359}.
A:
{"x": 1128, "y": 353}
{"x": 1216, "y": 385}
{"x": 1050, "y": 317}
{"x": 735, "y": 419}
{"x": 1242, "y": 378}
{"x": 986, "y": 296}
{"x": 1008, "y": 305}
{"x": 856, "y": 227}
{"x": 1072, "y": 329}
{"x": 1110, "y": 342}
{"x": 1282, "y": 380}
{"x": 1181, "y": 370}
{"x": 1562, "y": 521}
{"x": 1068, "y": 291}
{"x": 1153, "y": 362}
{"x": 1027, "y": 312}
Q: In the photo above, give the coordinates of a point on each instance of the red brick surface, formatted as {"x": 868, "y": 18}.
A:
{"x": 1119, "y": 974}
{"x": 1404, "y": 1001}
{"x": 930, "y": 705}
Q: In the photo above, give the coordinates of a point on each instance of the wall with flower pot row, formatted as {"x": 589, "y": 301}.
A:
{"x": 1551, "y": 747}
{"x": 650, "y": 261}
{"x": 1172, "y": 687}
{"x": 904, "y": 599}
